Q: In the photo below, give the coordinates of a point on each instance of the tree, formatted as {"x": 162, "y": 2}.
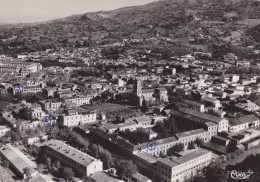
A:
{"x": 15, "y": 136}
{"x": 107, "y": 159}
{"x": 199, "y": 179}
{"x": 176, "y": 148}
{"x": 6, "y": 163}
{"x": 57, "y": 165}
{"x": 144, "y": 106}
{"x": 40, "y": 167}
{"x": 28, "y": 171}
{"x": 94, "y": 151}
{"x": 199, "y": 142}
{"x": 67, "y": 173}
{"x": 48, "y": 162}
{"x": 126, "y": 168}
{"x": 214, "y": 173}
{"x": 191, "y": 145}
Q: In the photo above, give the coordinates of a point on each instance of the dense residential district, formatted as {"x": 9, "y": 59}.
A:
{"x": 164, "y": 92}
{"x": 168, "y": 121}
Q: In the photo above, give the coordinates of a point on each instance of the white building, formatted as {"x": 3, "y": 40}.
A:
{"x": 248, "y": 106}
{"x": 80, "y": 162}
{"x": 179, "y": 169}
{"x": 79, "y": 100}
{"x": 74, "y": 118}
{"x": 238, "y": 124}
{"x": 18, "y": 161}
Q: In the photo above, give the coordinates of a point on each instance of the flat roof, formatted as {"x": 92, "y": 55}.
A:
{"x": 70, "y": 152}
{"x": 5, "y": 176}
{"x": 147, "y": 157}
{"x": 16, "y": 157}
{"x": 101, "y": 176}
{"x": 140, "y": 177}
{"x": 120, "y": 125}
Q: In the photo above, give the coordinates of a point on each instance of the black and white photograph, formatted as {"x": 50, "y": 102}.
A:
{"x": 129, "y": 90}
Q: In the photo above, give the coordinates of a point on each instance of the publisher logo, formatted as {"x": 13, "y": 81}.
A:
{"x": 238, "y": 175}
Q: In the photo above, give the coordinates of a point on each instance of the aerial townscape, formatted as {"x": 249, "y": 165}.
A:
{"x": 162, "y": 92}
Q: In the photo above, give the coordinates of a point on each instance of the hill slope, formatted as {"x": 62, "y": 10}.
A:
{"x": 173, "y": 22}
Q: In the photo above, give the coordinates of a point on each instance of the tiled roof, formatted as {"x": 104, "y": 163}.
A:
{"x": 189, "y": 133}
{"x": 147, "y": 157}
{"x": 245, "y": 119}
{"x": 180, "y": 160}
{"x": 202, "y": 115}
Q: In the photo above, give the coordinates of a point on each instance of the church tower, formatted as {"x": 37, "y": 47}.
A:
{"x": 138, "y": 87}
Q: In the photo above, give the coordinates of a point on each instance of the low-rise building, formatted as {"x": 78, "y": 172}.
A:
{"x": 193, "y": 105}
{"x": 190, "y": 136}
{"x": 200, "y": 117}
{"x": 52, "y": 104}
{"x": 18, "y": 161}
{"x": 80, "y": 162}
{"x": 73, "y": 117}
{"x": 237, "y": 124}
{"x": 179, "y": 169}
{"x": 248, "y": 106}
{"x": 137, "y": 177}
{"x": 229, "y": 78}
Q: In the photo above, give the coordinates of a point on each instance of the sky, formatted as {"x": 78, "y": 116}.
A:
{"x": 29, "y": 11}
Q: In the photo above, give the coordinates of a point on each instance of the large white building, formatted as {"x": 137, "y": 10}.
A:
{"x": 80, "y": 162}
{"x": 18, "y": 161}
{"x": 173, "y": 169}
{"x": 178, "y": 169}
{"x": 74, "y": 118}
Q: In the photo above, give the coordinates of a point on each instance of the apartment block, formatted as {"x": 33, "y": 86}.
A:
{"x": 80, "y": 162}
{"x": 179, "y": 169}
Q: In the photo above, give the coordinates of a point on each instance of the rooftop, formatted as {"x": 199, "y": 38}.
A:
{"x": 242, "y": 120}
{"x": 120, "y": 125}
{"x": 16, "y": 157}
{"x": 147, "y": 157}
{"x": 183, "y": 159}
{"x": 189, "y": 133}
{"x": 5, "y": 176}
{"x": 202, "y": 115}
{"x": 102, "y": 176}
{"x": 140, "y": 177}
{"x": 70, "y": 152}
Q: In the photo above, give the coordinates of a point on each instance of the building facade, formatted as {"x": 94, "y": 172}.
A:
{"x": 81, "y": 163}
